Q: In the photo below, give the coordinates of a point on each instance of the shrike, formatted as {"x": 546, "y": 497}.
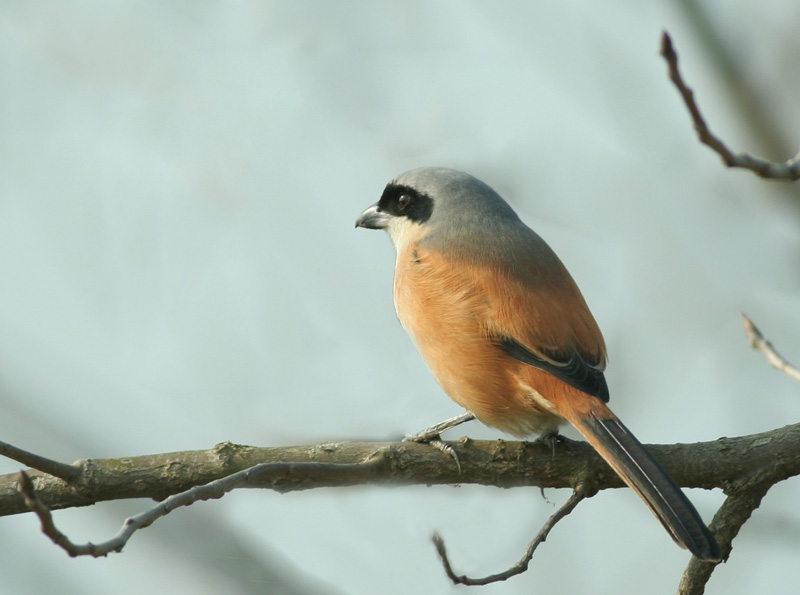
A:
{"x": 505, "y": 331}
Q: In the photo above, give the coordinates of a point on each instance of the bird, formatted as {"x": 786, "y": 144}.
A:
{"x": 507, "y": 334}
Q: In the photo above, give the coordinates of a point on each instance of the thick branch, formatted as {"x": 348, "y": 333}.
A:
{"x": 730, "y": 518}
{"x": 722, "y": 463}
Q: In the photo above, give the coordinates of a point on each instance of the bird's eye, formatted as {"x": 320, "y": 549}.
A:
{"x": 403, "y": 200}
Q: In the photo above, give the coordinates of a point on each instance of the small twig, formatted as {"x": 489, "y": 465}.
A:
{"x": 521, "y": 566}
{"x": 55, "y": 468}
{"x": 257, "y": 475}
{"x": 46, "y": 518}
{"x": 757, "y": 341}
{"x": 789, "y": 170}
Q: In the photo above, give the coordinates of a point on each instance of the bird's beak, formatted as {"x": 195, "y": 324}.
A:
{"x": 373, "y": 218}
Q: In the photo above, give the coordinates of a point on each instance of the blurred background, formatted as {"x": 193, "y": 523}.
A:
{"x": 178, "y": 267}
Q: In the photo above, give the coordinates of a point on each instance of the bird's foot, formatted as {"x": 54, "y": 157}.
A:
{"x": 550, "y": 439}
{"x": 432, "y": 435}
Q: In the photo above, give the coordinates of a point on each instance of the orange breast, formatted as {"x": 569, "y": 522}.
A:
{"x": 453, "y": 322}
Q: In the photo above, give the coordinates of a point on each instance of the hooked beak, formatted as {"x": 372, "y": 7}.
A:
{"x": 373, "y": 218}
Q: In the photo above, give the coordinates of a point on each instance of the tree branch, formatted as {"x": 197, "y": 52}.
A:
{"x": 732, "y": 515}
{"x": 708, "y": 465}
{"x": 257, "y": 475}
{"x": 744, "y": 496}
{"x": 745, "y": 468}
{"x": 521, "y": 566}
{"x": 49, "y": 466}
{"x": 758, "y": 342}
{"x": 787, "y": 171}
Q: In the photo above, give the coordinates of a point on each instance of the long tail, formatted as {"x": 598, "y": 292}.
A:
{"x": 637, "y": 468}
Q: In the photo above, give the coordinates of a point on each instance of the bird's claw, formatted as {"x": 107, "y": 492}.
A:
{"x": 550, "y": 439}
{"x": 432, "y": 435}
{"x": 447, "y": 449}
{"x": 432, "y": 438}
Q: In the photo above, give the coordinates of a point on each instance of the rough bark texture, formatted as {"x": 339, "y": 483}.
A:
{"x": 732, "y": 464}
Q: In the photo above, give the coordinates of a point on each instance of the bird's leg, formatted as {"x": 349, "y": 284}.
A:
{"x": 435, "y": 430}
{"x": 432, "y": 435}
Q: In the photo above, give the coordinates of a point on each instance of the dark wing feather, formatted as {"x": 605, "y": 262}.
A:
{"x": 575, "y": 371}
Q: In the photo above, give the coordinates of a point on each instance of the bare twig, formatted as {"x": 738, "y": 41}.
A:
{"x": 757, "y": 341}
{"x": 49, "y": 466}
{"x": 254, "y": 476}
{"x": 789, "y": 170}
{"x": 522, "y": 565}
{"x": 46, "y": 518}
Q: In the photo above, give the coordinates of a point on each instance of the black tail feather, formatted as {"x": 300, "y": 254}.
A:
{"x": 637, "y": 467}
